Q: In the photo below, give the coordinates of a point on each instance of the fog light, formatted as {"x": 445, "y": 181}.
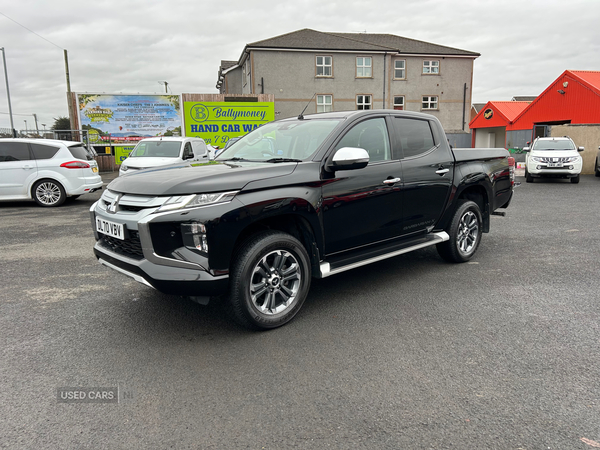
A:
{"x": 194, "y": 236}
{"x": 539, "y": 167}
{"x": 570, "y": 167}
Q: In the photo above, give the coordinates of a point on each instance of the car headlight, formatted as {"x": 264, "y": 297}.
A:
{"x": 536, "y": 159}
{"x": 196, "y": 200}
{"x": 572, "y": 159}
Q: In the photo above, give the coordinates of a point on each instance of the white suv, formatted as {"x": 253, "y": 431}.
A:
{"x": 553, "y": 157}
{"x": 165, "y": 151}
{"x": 45, "y": 170}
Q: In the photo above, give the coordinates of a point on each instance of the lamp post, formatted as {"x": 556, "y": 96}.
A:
{"x": 12, "y": 126}
{"x": 166, "y": 84}
{"x": 25, "y": 125}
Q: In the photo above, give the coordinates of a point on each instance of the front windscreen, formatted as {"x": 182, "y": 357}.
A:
{"x": 563, "y": 144}
{"x": 276, "y": 141}
{"x": 156, "y": 149}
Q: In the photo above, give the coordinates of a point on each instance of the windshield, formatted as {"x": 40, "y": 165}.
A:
{"x": 563, "y": 144}
{"x": 280, "y": 141}
{"x": 156, "y": 149}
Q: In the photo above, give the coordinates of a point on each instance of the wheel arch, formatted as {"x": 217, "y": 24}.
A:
{"x": 294, "y": 224}
{"x": 479, "y": 195}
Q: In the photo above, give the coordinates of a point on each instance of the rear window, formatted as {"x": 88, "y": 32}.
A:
{"x": 14, "y": 151}
{"x": 43, "y": 151}
{"x": 80, "y": 152}
{"x": 415, "y": 136}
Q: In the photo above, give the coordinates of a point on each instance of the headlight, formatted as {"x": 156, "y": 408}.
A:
{"x": 536, "y": 159}
{"x": 572, "y": 159}
{"x": 195, "y": 200}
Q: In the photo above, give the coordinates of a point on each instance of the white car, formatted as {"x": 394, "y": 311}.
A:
{"x": 553, "y": 157}
{"x": 47, "y": 171}
{"x": 597, "y": 165}
{"x": 165, "y": 151}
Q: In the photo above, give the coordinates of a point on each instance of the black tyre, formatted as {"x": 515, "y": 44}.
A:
{"x": 575, "y": 180}
{"x": 48, "y": 193}
{"x": 270, "y": 279}
{"x": 528, "y": 177}
{"x": 465, "y": 233}
{"x": 596, "y": 170}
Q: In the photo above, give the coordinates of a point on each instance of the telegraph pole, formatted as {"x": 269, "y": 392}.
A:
{"x": 12, "y": 126}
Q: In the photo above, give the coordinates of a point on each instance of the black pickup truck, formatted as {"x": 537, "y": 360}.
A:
{"x": 299, "y": 198}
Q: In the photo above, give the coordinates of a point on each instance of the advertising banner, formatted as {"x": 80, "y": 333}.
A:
{"x": 122, "y": 152}
{"x": 217, "y": 122}
{"x": 128, "y": 118}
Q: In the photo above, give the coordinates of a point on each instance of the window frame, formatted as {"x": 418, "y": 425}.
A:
{"x": 403, "y": 69}
{"x": 430, "y": 66}
{"x": 403, "y": 102}
{"x": 430, "y": 102}
{"x": 324, "y": 66}
{"x": 363, "y": 66}
{"x": 324, "y": 104}
{"x": 370, "y": 102}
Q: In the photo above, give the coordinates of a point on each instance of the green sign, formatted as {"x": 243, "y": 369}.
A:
{"x": 217, "y": 122}
{"x": 122, "y": 152}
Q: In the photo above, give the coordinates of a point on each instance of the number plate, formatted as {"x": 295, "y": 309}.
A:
{"x": 555, "y": 164}
{"x": 116, "y": 230}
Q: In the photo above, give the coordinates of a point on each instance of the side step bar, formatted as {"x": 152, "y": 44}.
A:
{"x": 433, "y": 239}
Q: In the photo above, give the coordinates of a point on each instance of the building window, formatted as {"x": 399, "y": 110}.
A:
{"x": 399, "y": 69}
{"x": 429, "y": 102}
{"x": 363, "y": 102}
{"x": 324, "y": 103}
{"x": 324, "y": 66}
{"x": 431, "y": 67}
{"x": 399, "y": 102}
{"x": 364, "y": 67}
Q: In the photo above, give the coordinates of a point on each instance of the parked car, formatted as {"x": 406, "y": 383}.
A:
{"x": 553, "y": 157}
{"x": 165, "y": 151}
{"x": 597, "y": 166}
{"x": 300, "y": 198}
{"x": 47, "y": 171}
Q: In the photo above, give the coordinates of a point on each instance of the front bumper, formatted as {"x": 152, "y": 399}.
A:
{"x": 540, "y": 169}
{"x": 180, "y": 272}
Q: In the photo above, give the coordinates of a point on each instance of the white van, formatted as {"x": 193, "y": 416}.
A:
{"x": 165, "y": 151}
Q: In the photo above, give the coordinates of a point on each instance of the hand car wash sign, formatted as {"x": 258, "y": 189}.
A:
{"x": 217, "y": 122}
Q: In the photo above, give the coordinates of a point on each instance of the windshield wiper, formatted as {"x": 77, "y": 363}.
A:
{"x": 234, "y": 159}
{"x": 278, "y": 160}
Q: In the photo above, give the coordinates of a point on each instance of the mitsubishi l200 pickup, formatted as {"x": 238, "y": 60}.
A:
{"x": 299, "y": 198}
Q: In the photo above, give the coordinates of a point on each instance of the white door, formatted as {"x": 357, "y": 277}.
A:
{"x": 17, "y": 169}
{"x": 491, "y": 140}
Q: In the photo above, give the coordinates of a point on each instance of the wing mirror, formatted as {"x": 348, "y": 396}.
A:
{"x": 580, "y": 149}
{"x": 526, "y": 149}
{"x": 348, "y": 158}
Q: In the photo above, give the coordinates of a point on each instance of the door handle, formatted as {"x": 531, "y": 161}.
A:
{"x": 442, "y": 171}
{"x": 392, "y": 181}
{"x": 27, "y": 167}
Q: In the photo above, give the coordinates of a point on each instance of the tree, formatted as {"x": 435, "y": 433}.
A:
{"x": 61, "y": 123}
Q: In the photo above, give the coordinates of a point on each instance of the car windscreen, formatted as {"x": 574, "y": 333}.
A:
{"x": 80, "y": 152}
{"x": 293, "y": 139}
{"x": 156, "y": 149}
{"x": 562, "y": 144}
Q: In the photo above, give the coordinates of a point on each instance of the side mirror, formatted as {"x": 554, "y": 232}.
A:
{"x": 526, "y": 149}
{"x": 580, "y": 149}
{"x": 348, "y": 158}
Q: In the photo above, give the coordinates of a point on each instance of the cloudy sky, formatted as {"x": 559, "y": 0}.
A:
{"x": 130, "y": 46}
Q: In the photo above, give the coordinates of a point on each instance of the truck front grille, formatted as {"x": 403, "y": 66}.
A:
{"x": 130, "y": 247}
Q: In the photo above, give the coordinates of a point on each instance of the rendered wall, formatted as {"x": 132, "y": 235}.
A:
{"x": 587, "y": 136}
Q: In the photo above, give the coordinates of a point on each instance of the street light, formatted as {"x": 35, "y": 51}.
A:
{"x": 166, "y": 84}
{"x": 25, "y": 126}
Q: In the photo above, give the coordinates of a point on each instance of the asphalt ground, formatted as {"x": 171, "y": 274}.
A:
{"x": 502, "y": 352}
